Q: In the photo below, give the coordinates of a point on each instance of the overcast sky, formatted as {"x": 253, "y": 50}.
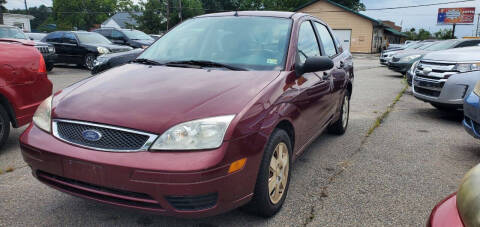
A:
{"x": 420, "y": 17}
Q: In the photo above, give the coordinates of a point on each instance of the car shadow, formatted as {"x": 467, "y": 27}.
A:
{"x": 452, "y": 116}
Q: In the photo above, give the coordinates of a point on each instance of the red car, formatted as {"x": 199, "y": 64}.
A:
{"x": 23, "y": 84}
{"x": 461, "y": 208}
{"x": 207, "y": 119}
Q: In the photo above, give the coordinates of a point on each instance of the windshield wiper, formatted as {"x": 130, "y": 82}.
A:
{"x": 146, "y": 61}
{"x": 204, "y": 64}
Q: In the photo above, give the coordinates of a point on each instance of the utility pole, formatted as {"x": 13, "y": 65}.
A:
{"x": 478, "y": 20}
{"x": 26, "y": 8}
{"x": 180, "y": 10}
{"x": 453, "y": 32}
{"x": 168, "y": 13}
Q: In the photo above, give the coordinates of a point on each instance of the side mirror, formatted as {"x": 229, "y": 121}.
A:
{"x": 314, "y": 64}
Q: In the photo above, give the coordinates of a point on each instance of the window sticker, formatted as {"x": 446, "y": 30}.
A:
{"x": 272, "y": 61}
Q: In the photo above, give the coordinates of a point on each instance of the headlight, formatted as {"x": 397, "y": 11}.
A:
{"x": 200, "y": 134}
{"x": 467, "y": 67}
{"x": 42, "y": 117}
{"x": 476, "y": 90}
{"x": 410, "y": 58}
{"x": 144, "y": 47}
{"x": 103, "y": 50}
{"x": 51, "y": 49}
{"x": 414, "y": 66}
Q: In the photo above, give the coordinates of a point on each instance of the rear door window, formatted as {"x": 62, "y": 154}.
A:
{"x": 307, "y": 42}
{"x": 326, "y": 40}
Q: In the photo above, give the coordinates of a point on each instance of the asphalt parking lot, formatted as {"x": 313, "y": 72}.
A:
{"x": 392, "y": 175}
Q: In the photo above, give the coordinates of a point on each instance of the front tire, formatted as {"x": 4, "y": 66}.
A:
{"x": 273, "y": 177}
{"x": 340, "y": 126}
{"x": 49, "y": 67}
{"x": 4, "y": 126}
{"x": 89, "y": 61}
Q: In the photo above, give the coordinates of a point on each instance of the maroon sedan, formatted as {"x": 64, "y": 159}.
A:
{"x": 209, "y": 118}
{"x": 23, "y": 84}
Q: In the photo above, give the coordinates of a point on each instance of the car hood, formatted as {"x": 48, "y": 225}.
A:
{"x": 155, "y": 98}
{"x": 111, "y": 47}
{"x": 465, "y": 54}
{"x": 143, "y": 42}
{"x": 410, "y": 53}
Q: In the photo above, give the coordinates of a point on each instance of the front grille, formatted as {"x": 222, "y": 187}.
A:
{"x": 42, "y": 49}
{"x": 440, "y": 70}
{"x": 98, "y": 192}
{"x": 111, "y": 139}
{"x": 395, "y": 59}
{"x": 193, "y": 202}
{"x": 428, "y": 92}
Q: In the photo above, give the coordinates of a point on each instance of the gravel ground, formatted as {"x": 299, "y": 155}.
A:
{"x": 394, "y": 177}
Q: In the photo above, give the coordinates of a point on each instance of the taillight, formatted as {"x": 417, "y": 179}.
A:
{"x": 42, "y": 68}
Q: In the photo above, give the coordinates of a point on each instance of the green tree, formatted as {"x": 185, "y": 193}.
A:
{"x": 444, "y": 34}
{"x": 2, "y": 9}
{"x": 152, "y": 20}
{"x": 40, "y": 13}
{"x": 423, "y": 34}
{"x": 81, "y": 14}
{"x": 352, "y": 4}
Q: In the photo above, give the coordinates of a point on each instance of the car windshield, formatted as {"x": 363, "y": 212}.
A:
{"x": 136, "y": 35}
{"x": 254, "y": 43}
{"x": 92, "y": 37}
{"x": 12, "y": 33}
{"x": 416, "y": 45}
{"x": 443, "y": 45}
{"x": 427, "y": 45}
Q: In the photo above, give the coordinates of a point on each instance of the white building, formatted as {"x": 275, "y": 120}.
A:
{"x": 18, "y": 20}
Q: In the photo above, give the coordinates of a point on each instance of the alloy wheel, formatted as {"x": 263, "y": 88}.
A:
{"x": 278, "y": 173}
{"x": 89, "y": 61}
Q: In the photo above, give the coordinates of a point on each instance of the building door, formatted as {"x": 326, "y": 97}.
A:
{"x": 344, "y": 36}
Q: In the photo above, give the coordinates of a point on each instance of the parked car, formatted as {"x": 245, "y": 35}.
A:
{"x": 401, "y": 62}
{"x": 129, "y": 37}
{"x": 395, "y": 46}
{"x": 471, "y": 111}
{"x": 444, "y": 78}
{"x": 81, "y": 48}
{"x": 24, "y": 84}
{"x": 36, "y": 36}
{"x": 207, "y": 119}
{"x": 47, "y": 50}
{"x": 155, "y": 36}
{"x": 461, "y": 208}
{"x": 108, "y": 61}
{"x": 387, "y": 55}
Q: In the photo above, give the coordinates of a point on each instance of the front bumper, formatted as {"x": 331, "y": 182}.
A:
{"x": 471, "y": 110}
{"x": 449, "y": 91}
{"x": 187, "y": 184}
{"x": 400, "y": 67}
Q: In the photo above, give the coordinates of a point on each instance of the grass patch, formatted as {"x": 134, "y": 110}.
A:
{"x": 389, "y": 109}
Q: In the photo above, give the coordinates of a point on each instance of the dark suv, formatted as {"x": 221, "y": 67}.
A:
{"x": 129, "y": 37}
{"x": 81, "y": 48}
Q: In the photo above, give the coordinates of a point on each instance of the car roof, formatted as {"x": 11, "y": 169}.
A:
{"x": 7, "y": 26}
{"x": 251, "y": 13}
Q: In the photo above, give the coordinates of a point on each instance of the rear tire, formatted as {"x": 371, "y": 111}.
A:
{"x": 4, "y": 126}
{"x": 340, "y": 126}
{"x": 273, "y": 176}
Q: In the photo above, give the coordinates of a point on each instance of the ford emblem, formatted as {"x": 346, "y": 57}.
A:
{"x": 91, "y": 135}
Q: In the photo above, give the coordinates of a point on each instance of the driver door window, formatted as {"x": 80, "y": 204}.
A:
{"x": 307, "y": 43}
{"x": 69, "y": 38}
